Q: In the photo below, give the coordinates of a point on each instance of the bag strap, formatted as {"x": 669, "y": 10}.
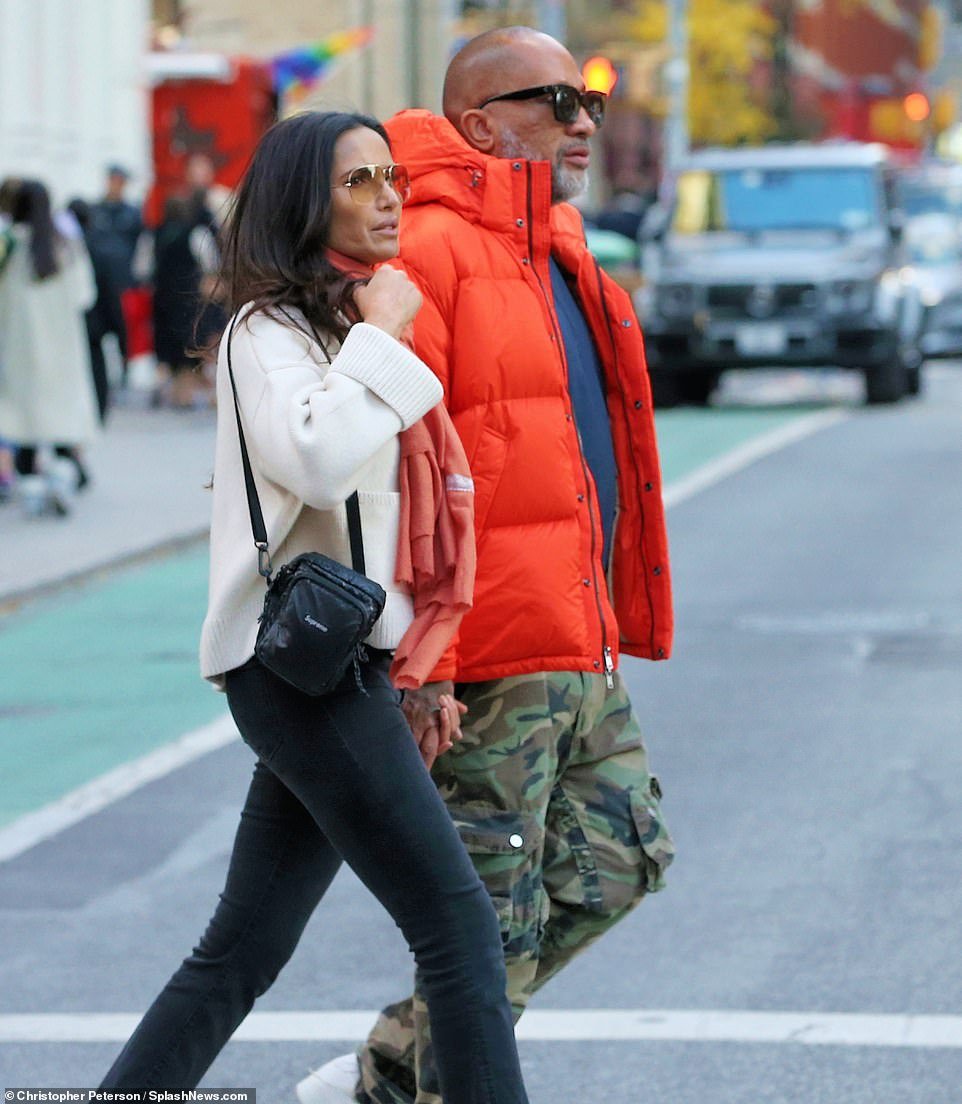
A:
{"x": 264, "y": 565}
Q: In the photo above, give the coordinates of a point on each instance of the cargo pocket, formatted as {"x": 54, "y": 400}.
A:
{"x": 656, "y": 843}
{"x": 505, "y": 848}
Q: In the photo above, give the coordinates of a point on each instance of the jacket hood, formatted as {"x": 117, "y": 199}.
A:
{"x": 443, "y": 167}
{"x": 446, "y": 170}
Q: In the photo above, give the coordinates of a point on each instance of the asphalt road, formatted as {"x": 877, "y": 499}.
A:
{"x": 807, "y": 735}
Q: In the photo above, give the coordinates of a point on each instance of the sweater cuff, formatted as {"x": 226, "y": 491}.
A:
{"x": 391, "y": 371}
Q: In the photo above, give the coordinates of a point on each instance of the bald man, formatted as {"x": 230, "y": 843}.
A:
{"x": 543, "y": 369}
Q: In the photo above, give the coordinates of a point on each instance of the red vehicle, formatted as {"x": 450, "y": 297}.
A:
{"x": 203, "y": 105}
{"x": 861, "y": 70}
{"x": 207, "y": 104}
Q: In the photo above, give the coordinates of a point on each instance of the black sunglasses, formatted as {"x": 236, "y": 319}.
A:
{"x": 566, "y": 101}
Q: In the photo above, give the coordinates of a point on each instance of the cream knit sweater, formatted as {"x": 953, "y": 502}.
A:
{"x": 315, "y": 432}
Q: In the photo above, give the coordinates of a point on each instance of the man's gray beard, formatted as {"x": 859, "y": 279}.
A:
{"x": 566, "y": 184}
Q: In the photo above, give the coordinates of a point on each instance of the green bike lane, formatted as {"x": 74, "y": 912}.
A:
{"x": 105, "y": 671}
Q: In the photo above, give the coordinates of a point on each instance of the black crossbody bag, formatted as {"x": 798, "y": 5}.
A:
{"x": 317, "y": 612}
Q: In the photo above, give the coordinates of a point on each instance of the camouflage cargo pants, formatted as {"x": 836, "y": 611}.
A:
{"x": 551, "y": 793}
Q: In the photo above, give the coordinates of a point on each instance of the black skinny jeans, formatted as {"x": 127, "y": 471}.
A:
{"x": 337, "y": 778}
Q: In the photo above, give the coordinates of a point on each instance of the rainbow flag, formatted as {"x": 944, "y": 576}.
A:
{"x": 296, "y": 72}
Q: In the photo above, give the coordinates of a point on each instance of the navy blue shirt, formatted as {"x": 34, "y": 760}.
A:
{"x": 586, "y": 384}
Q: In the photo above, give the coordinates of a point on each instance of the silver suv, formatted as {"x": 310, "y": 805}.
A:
{"x": 779, "y": 255}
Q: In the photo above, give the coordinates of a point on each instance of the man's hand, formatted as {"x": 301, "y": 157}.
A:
{"x": 434, "y": 715}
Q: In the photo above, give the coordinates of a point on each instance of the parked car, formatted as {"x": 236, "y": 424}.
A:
{"x": 933, "y": 187}
{"x": 931, "y": 196}
{"x": 779, "y": 255}
{"x": 934, "y": 242}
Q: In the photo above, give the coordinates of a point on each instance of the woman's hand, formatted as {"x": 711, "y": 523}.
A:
{"x": 389, "y": 301}
{"x": 434, "y": 715}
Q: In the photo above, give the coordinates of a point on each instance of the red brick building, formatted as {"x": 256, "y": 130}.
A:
{"x": 853, "y": 62}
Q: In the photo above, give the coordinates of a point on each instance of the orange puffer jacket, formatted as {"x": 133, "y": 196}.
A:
{"x": 476, "y": 236}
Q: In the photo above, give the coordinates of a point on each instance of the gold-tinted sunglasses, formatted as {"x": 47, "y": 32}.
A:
{"x": 364, "y": 183}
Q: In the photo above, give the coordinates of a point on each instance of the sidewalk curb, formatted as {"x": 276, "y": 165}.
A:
{"x": 12, "y": 600}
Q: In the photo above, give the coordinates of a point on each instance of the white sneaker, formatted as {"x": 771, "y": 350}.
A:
{"x": 335, "y": 1082}
{"x": 32, "y": 492}
{"x": 61, "y": 486}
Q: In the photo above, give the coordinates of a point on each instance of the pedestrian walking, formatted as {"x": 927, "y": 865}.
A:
{"x": 112, "y": 233}
{"x": 544, "y": 374}
{"x": 211, "y": 200}
{"x": 329, "y": 398}
{"x": 97, "y": 317}
{"x": 47, "y": 399}
{"x": 209, "y": 204}
{"x": 185, "y": 257}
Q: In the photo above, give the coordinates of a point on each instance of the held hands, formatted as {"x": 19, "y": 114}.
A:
{"x": 434, "y": 715}
{"x": 389, "y": 301}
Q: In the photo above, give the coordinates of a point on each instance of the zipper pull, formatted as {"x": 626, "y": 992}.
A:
{"x": 609, "y": 669}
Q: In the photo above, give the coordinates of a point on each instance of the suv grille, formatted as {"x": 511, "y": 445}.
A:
{"x": 761, "y": 300}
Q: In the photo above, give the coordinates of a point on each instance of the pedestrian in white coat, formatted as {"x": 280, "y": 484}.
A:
{"x": 46, "y": 393}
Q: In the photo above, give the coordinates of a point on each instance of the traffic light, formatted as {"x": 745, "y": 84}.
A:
{"x": 599, "y": 75}
{"x": 916, "y": 107}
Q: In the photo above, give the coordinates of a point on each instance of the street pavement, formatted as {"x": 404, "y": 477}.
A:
{"x": 149, "y": 471}
{"x": 100, "y": 610}
{"x": 806, "y": 733}
{"x": 151, "y": 468}
{"x": 104, "y": 606}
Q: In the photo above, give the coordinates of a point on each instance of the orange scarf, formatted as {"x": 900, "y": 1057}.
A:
{"x": 436, "y": 554}
{"x": 356, "y": 270}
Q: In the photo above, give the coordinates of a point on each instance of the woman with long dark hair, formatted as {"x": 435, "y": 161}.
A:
{"x": 46, "y": 389}
{"x": 325, "y": 388}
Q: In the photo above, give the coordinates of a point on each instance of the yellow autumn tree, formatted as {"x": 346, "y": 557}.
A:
{"x": 727, "y": 39}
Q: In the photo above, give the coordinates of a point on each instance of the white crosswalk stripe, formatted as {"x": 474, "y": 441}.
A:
{"x": 547, "y": 1025}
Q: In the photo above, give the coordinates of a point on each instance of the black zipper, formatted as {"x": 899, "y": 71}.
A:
{"x": 606, "y": 658}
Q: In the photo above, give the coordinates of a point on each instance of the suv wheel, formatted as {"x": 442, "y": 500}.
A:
{"x": 696, "y": 387}
{"x": 886, "y": 383}
{"x": 913, "y": 380}
{"x": 671, "y": 388}
{"x": 664, "y": 387}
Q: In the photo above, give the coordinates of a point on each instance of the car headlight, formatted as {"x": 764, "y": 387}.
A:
{"x": 850, "y": 296}
{"x": 676, "y": 299}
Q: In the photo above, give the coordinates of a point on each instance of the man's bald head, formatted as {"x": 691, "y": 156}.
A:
{"x": 521, "y": 59}
{"x": 497, "y": 61}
